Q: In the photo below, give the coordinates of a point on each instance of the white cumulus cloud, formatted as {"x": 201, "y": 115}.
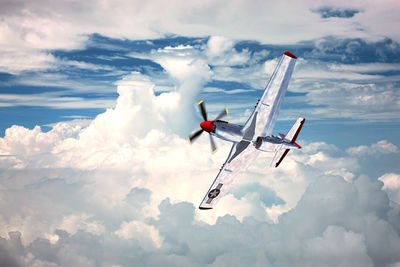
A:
{"x": 391, "y": 184}
{"x": 381, "y": 147}
{"x": 124, "y": 191}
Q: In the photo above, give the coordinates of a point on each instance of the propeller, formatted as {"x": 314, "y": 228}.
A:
{"x": 207, "y": 125}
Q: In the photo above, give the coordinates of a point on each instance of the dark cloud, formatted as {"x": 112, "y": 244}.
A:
{"x": 351, "y": 51}
{"x": 331, "y": 49}
{"x": 8, "y": 7}
{"x": 11, "y": 250}
{"x": 329, "y": 12}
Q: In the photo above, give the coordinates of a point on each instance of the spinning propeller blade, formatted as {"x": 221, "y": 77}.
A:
{"x": 203, "y": 112}
{"x": 222, "y": 114}
{"x": 213, "y": 146}
{"x": 195, "y": 135}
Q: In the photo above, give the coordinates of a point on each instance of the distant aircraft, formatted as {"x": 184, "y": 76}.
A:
{"x": 254, "y": 136}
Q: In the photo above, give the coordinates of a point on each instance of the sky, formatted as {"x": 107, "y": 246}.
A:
{"x": 97, "y": 99}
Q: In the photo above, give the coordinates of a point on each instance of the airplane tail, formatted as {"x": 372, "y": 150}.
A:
{"x": 289, "y": 138}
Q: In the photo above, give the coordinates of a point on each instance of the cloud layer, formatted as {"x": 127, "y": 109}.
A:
{"x": 123, "y": 191}
{"x": 28, "y": 31}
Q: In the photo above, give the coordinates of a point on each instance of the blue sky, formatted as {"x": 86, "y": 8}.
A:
{"x": 97, "y": 100}
{"x": 82, "y": 84}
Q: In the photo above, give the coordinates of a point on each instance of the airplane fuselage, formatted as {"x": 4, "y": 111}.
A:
{"x": 227, "y": 131}
{"x": 234, "y": 133}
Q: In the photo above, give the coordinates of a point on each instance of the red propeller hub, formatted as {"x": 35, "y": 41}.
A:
{"x": 207, "y": 126}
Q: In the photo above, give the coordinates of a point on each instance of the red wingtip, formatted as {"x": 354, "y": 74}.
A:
{"x": 287, "y": 53}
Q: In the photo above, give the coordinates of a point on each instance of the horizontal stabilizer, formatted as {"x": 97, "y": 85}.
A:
{"x": 279, "y": 156}
{"x": 295, "y": 130}
{"x": 290, "y": 138}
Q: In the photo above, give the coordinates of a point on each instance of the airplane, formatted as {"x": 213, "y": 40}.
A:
{"x": 254, "y": 136}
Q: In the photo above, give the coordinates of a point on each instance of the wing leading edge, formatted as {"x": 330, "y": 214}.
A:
{"x": 269, "y": 105}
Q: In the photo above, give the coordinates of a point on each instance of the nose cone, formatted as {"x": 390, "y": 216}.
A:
{"x": 207, "y": 126}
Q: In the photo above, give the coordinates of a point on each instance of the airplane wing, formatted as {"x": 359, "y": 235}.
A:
{"x": 260, "y": 123}
{"x": 240, "y": 157}
{"x": 268, "y": 106}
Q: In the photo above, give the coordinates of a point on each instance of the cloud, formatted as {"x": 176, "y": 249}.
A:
{"x": 381, "y": 147}
{"x": 218, "y": 45}
{"x": 266, "y": 195}
{"x": 125, "y": 162}
{"x": 28, "y": 31}
{"x": 331, "y": 89}
{"x": 365, "y": 92}
{"x": 367, "y": 102}
{"x": 350, "y": 50}
{"x": 229, "y": 92}
{"x": 325, "y": 251}
{"x": 53, "y": 100}
{"x": 330, "y": 12}
{"x": 15, "y": 62}
{"x": 147, "y": 235}
{"x": 7, "y": 248}
{"x": 123, "y": 189}
{"x": 366, "y": 67}
{"x": 331, "y": 211}
{"x": 140, "y": 225}
{"x": 391, "y": 184}
{"x": 220, "y": 51}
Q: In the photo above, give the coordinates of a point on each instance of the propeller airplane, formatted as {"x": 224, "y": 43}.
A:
{"x": 254, "y": 136}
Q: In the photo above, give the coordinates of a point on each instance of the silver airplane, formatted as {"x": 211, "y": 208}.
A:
{"x": 254, "y": 136}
